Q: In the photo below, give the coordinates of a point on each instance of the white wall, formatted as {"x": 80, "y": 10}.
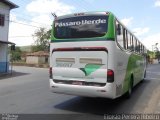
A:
{"x": 3, "y": 58}
{"x": 3, "y": 51}
{"x": 41, "y": 59}
{"x": 35, "y": 60}
{"x": 32, "y": 60}
{"x": 4, "y": 9}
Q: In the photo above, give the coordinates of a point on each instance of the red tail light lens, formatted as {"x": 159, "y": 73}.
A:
{"x": 110, "y": 76}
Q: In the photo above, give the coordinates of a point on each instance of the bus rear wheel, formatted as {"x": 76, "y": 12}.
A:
{"x": 130, "y": 89}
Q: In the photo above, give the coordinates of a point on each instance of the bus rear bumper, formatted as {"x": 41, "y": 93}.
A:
{"x": 108, "y": 91}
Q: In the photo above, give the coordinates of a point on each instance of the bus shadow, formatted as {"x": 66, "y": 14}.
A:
{"x": 101, "y": 106}
{"x": 11, "y": 75}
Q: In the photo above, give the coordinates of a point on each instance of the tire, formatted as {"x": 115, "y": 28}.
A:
{"x": 130, "y": 89}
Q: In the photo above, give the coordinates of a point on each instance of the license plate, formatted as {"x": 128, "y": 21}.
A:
{"x": 77, "y": 83}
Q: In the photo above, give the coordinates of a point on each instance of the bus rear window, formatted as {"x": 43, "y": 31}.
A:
{"x": 81, "y": 27}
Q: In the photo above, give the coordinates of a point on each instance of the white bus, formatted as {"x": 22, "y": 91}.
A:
{"x": 93, "y": 55}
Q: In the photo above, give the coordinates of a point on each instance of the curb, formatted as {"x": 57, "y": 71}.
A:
{"x": 33, "y": 65}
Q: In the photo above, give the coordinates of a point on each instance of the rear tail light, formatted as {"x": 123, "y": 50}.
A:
{"x": 50, "y": 73}
{"x": 110, "y": 76}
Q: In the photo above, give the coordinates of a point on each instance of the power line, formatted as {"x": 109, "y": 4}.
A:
{"x": 34, "y": 21}
{"x": 24, "y": 24}
{"x": 20, "y": 36}
{"x": 83, "y": 6}
{"x": 31, "y": 20}
{"x": 26, "y": 21}
{"x": 42, "y": 24}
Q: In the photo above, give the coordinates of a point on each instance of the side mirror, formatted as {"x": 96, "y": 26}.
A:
{"x": 13, "y": 47}
{"x": 118, "y": 29}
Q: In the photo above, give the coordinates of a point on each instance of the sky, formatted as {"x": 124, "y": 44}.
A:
{"x": 142, "y": 17}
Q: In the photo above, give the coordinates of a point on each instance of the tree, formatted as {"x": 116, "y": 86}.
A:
{"x": 42, "y": 37}
{"x": 150, "y": 53}
{"x": 157, "y": 54}
{"x": 16, "y": 55}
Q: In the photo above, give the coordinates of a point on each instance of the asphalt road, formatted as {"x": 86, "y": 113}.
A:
{"x": 27, "y": 91}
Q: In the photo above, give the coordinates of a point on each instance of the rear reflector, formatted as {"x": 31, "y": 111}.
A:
{"x": 110, "y": 76}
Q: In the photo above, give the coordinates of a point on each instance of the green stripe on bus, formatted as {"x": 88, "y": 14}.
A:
{"x": 134, "y": 67}
{"x": 90, "y": 68}
{"x": 111, "y": 27}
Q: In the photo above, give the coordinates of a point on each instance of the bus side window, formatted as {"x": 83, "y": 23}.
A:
{"x": 119, "y": 29}
{"x": 137, "y": 46}
{"x": 124, "y": 38}
{"x": 129, "y": 42}
{"x": 120, "y": 35}
{"x": 140, "y": 48}
{"x": 134, "y": 44}
{"x": 143, "y": 49}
